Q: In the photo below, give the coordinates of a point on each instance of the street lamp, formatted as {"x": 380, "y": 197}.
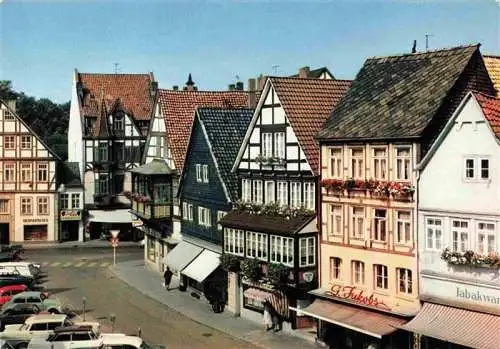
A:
{"x": 84, "y": 303}
{"x": 114, "y": 243}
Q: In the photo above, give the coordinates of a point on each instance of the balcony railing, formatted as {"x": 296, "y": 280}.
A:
{"x": 150, "y": 210}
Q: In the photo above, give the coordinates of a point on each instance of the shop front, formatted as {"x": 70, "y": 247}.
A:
{"x": 71, "y": 225}
{"x": 100, "y": 223}
{"x": 35, "y": 229}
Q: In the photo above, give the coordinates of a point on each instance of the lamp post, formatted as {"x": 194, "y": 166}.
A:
{"x": 114, "y": 243}
{"x": 84, "y": 303}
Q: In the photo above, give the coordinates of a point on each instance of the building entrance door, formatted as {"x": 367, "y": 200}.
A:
{"x": 4, "y": 234}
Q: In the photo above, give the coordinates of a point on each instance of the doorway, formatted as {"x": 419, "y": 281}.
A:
{"x": 4, "y": 234}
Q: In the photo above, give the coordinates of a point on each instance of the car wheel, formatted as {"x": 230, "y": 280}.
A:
{"x": 53, "y": 311}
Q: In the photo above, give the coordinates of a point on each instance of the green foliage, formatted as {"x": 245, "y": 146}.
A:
{"x": 250, "y": 269}
{"x": 277, "y": 273}
{"x": 230, "y": 262}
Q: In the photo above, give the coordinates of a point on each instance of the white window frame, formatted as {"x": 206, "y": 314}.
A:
{"x": 379, "y": 163}
{"x": 234, "y": 241}
{"x": 335, "y": 169}
{"x": 279, "y": 145}
{"x": 486, "y": 246}
{"x": 256, "y": 245}
{"x": 190, "y": 212}
{"x": 7, "y": 115}
{"x": 403, "y": 226}
{"x": 220, "y": 215}
{"x": 358, "y": 272}
{"x": 307, "y": 250}
{"x": 257, "y": 196}
{"x": 357, "y": 163}
{"x": 199, "y": 178}
{"x": 26, "y": 172}
{"x": 476, "y": 168}
{"x": 64, "y": 201}
{"x": 9, "y": 172}
{"x": 282, "y": 246}
{"x": 205, "y": 173}
{"x": 246, "y": 190}
{"x": 269, "y": 192}
{"x": 309, "y": 195}
{"x": 42, "y": 205}
{"x": 184, "y": 210}
{"x": 379, "y": 232}
{"x": 460, "y": 235}
{"x": 75, "y": 200}
{"x": 403, "y": 163}
{"x": 381, "y": 273}
{"x": 282, "y": 193}
{"x": 295, "y": 191}
{"x": 405, "y": 281}
{"x": 4, "y": 206}
{"x": 204, "y": 218}
{"x": 335, "y": 268}
{"x": 26, "y": 142}
{"x": 267, "y": 144}
{"x": 26, "y": 205}
{"x": 469, "y": 171}
{"x": 9, "y": 142}
{"x": 358, "y": 219}
{"x": 42, "y": 172}
{"x": 432, "y": 230}
{"x": 335, "y": 220}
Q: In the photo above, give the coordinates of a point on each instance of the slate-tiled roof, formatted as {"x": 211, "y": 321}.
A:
{"x": 315, "y": 73}
{"x": 134, "y": 91}
{"x": 493, "y": 66}
{"x": 101, "y": 129}
{"x": 307, "y": 104}
{"x": 226, "y": 129}
{"x": 266, "y": 223}
{"x": 491, "y": 111}
{"x": 397, "y": 96}
{"x": 178, "y": 109}
{"x": 70, "y": 174}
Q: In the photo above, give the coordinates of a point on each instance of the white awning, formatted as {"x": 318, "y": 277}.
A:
{"x": 202, "y": 266}
{"x": 111, "y": 216}
{"x": 181, "y": 255}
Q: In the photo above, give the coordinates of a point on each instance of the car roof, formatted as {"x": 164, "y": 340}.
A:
{"x": 75, "y": 328}
{"x": 116, "y": 338}
{"x": 28, "y": 294}
{"x": 46, "y": 318}
{"x": 14, "y": 286}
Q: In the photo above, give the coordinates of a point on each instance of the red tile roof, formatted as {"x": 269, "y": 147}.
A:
{"x": 134, "y": 91}
{"x": 308, "y": 104}
{"x": 178, "y": 109}
{"x": 491, "y": 111}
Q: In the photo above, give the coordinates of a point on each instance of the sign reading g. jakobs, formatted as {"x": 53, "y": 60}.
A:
{"x": 356, "y": 295}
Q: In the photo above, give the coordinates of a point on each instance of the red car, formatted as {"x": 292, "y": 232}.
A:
{"x": 6, "y": 292}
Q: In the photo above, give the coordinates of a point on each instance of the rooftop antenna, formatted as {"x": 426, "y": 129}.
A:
{"x": 427, "y": 41}
{"x": 116, "y": 64}
{"x": 275, "y": 69}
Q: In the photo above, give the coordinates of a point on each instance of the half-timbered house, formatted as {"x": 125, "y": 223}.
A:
{"x": 273, "y": 226}
{"x": 28, "y": 196}
{"x": 168, "y": 141}
{"x": 370, "y": 146}
{"x": 109, "y": 121}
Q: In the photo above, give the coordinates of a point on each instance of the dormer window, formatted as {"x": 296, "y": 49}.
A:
{"x": 89, "y": 124}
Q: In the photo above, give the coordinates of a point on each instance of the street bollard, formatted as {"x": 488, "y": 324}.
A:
{"x": 139, "y": 332}
{"x": 112, "y": 318}
{"x": 84, "y": 303}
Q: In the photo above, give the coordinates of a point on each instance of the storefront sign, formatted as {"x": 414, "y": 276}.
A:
{"x": 308, "y": 276}
{"x": 353, "y": 294}
{"x": 70, "y": 215}
{"x": 35, "y": 220}
{"x": 476, "y": 295}
{"x": 137, "y": 223}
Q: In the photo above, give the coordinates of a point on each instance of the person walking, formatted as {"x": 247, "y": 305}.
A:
{"x": 267, "y": 319}
{"x": 168, "y": 278}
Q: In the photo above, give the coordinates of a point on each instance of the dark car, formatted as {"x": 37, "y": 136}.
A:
{"x": 17, "y": 314}
{"x": 17, "y": 279}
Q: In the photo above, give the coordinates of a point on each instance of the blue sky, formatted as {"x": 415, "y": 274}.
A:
{"x": 42, "y": 42}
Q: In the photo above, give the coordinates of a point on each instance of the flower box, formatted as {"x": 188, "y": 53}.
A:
{"x": 470, "y": 258}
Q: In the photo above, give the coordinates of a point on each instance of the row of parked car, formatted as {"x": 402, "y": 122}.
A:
{"x": 30, "y": 318}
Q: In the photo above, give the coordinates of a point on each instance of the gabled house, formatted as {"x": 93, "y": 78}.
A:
{"x": 109, "y": 120}
{"x": 28, "y": 187}
{"x": 272, "y": 233}
{"x": 207, "y": 190}
{"x": 395, "y": 109}
{"x": 167, "y": 141}
{"x": 459, "y": 230}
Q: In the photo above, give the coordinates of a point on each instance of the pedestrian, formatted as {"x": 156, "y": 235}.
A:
{"x": 168, "y": 278}
{"x": 268, "y": 320}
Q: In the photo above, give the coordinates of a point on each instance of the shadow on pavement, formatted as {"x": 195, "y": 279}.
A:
{"x": 58, "y": 290}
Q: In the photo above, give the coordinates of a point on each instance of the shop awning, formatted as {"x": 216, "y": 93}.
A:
{"x": 111, "y": 216}
{"x": 202, "y": 266}
{"x": 368, "y": 322}
{"x": 459, "y": 326}
{"x": 181, "y": 255}
{"x": 256, "y": 294}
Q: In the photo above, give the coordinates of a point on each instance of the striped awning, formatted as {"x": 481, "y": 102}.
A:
{"x": 460, "y": 326}
{"x": 279, "y": 302}
{"x": 256, "y": 294}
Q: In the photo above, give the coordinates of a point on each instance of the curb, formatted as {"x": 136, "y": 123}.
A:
{"x": 78, "y": 246}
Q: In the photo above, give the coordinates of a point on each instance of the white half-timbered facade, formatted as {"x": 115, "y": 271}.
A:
{"x": 28, "y": 197}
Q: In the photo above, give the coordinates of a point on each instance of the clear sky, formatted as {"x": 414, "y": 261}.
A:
{"x": 42, "y": 42}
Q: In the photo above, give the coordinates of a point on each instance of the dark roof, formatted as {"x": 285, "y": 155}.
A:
{"x": 155, "y": 167}
{"x": 397, "y": 96}
{"x": 267, "y": 223}
{"x": 70, "y": 174}
{"x": 315, "y": 73}
{"x": 178, "y": 109}
{"x": 307, "y": 104}
{"x": 491, "y": 110}
{"x": 225, "y": 129}
{"x": 101, "y": 129}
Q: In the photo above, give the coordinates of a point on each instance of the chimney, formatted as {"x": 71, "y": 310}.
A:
{"x": 154, "y": 88}
{"x": 175, "y": 87}
{"x": 252, "y": 95}
{"x": 11, "y": 103}
{"x": 231, "y": 87}
{"x": 190, "y": 84}
{"x": 261, "y": 81}
{"x": 239, "y": 86}
{"x": 304, "y": 72}
{"x": 414, "y": 48}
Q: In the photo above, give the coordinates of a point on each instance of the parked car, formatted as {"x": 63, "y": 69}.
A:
{"x": 41, "y": 299}
{"x": 17, "y": 314}
{"x": 69, "y": 337}
{"x": 123, "y": 341}
{"x": 17, "y": 279}
{"x": 22, "y": 268}
{"x": 6, "y": 292}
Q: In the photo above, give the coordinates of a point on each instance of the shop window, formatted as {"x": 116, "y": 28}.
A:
{"x": 35, "y": 232}
{"x": 253, "y": 303}
{"x": 43, "y": 205}
{"x": 151, "y": 249}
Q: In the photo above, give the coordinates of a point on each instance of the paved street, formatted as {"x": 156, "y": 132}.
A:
{"x": 76, "y": 273}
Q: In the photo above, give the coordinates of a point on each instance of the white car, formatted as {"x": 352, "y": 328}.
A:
{"x": 72, "y": 337}
{"x": 123, "y": 341}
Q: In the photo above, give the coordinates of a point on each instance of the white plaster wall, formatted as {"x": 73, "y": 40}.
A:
{"x": 75, "y": 132}
{"x": 88, "y": 181}
{"x": 442, "y": 185}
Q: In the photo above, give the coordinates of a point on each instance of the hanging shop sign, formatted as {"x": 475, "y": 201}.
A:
{"x": 356, "y": 295}
{"x": 70, "y": 215}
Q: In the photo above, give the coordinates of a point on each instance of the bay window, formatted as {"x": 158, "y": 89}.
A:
{"x": 281, "y": 250}
{"x": 307, "y": 251}
{"x": 256, "y": 245}
{"x": 234, "y": 241}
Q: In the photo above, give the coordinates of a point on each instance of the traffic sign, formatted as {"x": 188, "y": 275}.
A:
{"x": 114, "y": 242}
